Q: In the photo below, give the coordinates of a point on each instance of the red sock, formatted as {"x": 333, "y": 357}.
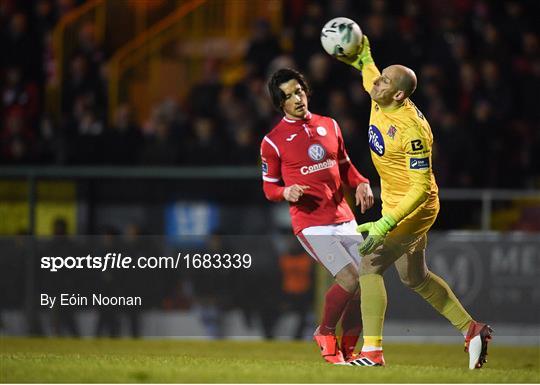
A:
{"x": 334, "y": 303}
{"x": 351, "y": 323}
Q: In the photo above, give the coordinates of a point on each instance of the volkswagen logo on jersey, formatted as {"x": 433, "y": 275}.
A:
{"x": 316, "y": 152}
{"x": 376, "y": 141}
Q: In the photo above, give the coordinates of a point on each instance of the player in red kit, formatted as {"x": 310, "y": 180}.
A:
{"x": 304, "y": 162}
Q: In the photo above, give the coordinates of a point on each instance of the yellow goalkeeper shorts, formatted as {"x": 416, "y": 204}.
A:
{"x": 409, "y": 235}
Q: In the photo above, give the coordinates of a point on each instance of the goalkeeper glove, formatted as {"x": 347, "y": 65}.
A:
{"x": 363, "y": 57}
{"x": 376, "y": 233}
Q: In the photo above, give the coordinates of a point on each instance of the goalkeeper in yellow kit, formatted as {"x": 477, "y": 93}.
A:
{"x": 401, "y": 140}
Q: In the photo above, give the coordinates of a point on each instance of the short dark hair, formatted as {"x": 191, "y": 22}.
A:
{"x": 283, "y": 76}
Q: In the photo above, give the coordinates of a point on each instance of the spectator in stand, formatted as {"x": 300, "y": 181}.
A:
{"x": 411, "y": 49}
{"x": 122, "y": 141}
{"x": 20, "y": 94}
{"x": 87, "y": 144}
{"x": 377, "y": 27}
{"x": 91, "y": 49}
{"x": 44, "y": 17}
{"x": 492, "y": 46}
{"x": 206, "y": 91}
{"x": 468, "y": 83}
{"x": 338, "y": 104}
{"x": 50, "y": 75}
{"x": 261, "y": 49}
{"x": 306, "y": 39}
{"x": 18, "y": 46}
{"x": 319, "y": 67}
{"x": 243, "y": 151}
{"x": 159, "y": 149}
{"x": 89, "y": 46}
{"x": 80, "y": 81}
{"x": 479, "y": 62}
{"x": 526, "y": 69}
{"x": 66, "y": 6}
{"x": 493, "y": 89}
{"x": 257, "y": 101}
{"x": 233, "y": 111}
{"x": 17, "y": 138}
{"x": 204, "y": 148}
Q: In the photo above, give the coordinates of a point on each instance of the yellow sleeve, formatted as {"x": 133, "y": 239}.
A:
{"x": 364, "y": 63}
{"x": 369, "y": 70}
{"x": 417, "y": 146}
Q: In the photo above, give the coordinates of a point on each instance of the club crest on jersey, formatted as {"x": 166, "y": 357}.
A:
{"x": 316, "y": 152}
{"x": 376, "y": 141}
{"x": 264, "y": 167}
{"x": 391, "y": 132}
{"x": 321, "y": 131}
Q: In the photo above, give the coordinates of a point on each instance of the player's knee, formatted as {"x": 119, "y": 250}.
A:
{"x": 347, "y": 278}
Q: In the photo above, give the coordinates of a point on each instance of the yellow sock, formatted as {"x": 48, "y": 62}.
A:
{"x": 439, "y": 295}
{"x": 373, "y": 305}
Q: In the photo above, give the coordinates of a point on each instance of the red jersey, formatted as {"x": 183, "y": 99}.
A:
{"x": 309, "y": 152}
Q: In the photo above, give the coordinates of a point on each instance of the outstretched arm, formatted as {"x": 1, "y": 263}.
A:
{"x": 364, "y": 63}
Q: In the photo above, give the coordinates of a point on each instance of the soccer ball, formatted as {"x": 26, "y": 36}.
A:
{"x": 341, "y": 37}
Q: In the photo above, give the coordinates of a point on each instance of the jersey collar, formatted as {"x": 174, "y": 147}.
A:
{"x": 307, "y": 118}
{"x": 393, "y": 108}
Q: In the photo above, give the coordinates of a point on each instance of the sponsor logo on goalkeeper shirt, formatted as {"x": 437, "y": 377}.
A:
{"x": 419, "y": 163}
{"x": 329, "y": 163}
{"x": 376, "y": 141}
{"x": 417, "y": 145}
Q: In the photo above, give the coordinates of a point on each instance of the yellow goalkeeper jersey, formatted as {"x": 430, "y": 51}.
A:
{"x": 401, "y": 142}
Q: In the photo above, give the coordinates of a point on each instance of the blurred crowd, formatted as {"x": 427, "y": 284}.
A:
{"x": 477, "y": 62}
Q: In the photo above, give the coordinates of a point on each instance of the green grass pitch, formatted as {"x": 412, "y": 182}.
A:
{"x": 161, "y": 361}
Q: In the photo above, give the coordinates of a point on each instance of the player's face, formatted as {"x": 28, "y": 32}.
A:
{"x": 385, "y": 87}
{"x": 295, "y": 105}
